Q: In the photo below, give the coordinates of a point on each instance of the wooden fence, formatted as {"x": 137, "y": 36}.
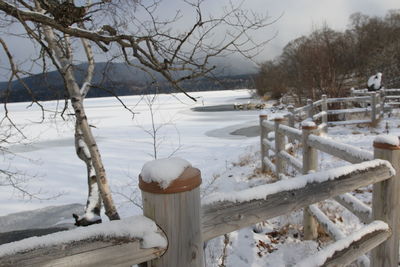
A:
{"x": 187, "y": 223}
{"x": 390, "y": 97}
{"x": 371, "y": 106}
{"x": 276, "y": 143}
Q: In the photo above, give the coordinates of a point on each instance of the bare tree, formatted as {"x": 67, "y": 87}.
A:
{"x": 133, "y": 30}
{"x": 330, "y": 62}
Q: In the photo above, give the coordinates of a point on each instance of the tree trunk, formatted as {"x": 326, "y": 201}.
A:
{"x": 93, "y": 205}
{"x": 81, "y": 119}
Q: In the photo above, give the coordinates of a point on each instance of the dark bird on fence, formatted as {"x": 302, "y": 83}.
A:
{"x": 375, "y": 82}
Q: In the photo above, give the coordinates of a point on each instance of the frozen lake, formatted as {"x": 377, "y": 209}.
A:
{"x": 200, "y": 137}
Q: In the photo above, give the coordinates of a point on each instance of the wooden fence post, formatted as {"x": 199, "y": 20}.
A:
{"x": 310, "y": 111}
{"x": 291, "y": 120}
{"x": 385, "y": 205}
{"x": 373, "y": 108}
{"x": 310, "y": 162}
{"x": 324, "y": 108}
{"x": 176, "y": 210}
{"x": 352, "y": 93}
{"x": 279, "y": 146}
{"x": 263, "y": 135}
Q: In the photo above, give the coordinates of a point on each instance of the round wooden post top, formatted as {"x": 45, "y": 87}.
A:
{"x": 189, "y": 179}
{"x": 309, "y": 125}
{"x": 389, "y": 142}
{"x": 263, "y": 116}
{"x": 279, "y": 119}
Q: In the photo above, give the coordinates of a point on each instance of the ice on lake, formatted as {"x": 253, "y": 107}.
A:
{"x": 202, "y": 138}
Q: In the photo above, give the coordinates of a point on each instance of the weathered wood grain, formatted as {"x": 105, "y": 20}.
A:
{"x": 263, "y": 135}
{"x": 350, "y": 202}
{"x": 357, "y": 249}
{"x": 279, "y": 146}
{"x": 179, "y": 216}
{"x": 291, "y": 160}
{"x": 100, "y": 252}
{"x": 349, "y": 99}
{"x": 331, "y": 228}
{"x": 292, "y": 133}
{"x": 337, "y": 123}
{"x": 373, "y": 107}
{"x": 385, "y": 207}
{"x": 310, "y": 109}
{"x": 310, "y": 163}
{"x": 324, "y": 109}
{"x": 321, "y": 144}
{"x": 223, "y": 217}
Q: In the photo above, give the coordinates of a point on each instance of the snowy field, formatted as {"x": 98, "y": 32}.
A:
{"x": 49, "y": 153}
{"x": 228, "y": 163}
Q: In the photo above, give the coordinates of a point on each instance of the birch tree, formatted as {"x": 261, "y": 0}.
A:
{"x": 133, "y": 31}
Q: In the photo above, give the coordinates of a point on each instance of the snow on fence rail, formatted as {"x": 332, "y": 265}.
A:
{"x": 319, "y": 110}
{"x": 311, "y": 142}
{"x": 385, "y": 94}
{"x": 134, "y": 240}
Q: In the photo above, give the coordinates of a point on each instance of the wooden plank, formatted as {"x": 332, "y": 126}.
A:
{"x": 310, "y": 163}
{"x": 343, "y": 151}
{"x": 373, "y": 107}
{"x": 392, "y": 96}
{"x": 263, "y": 135}
{"x": 280, "y": 143}
{"x": 353, "y": 250}
{"x": 348, "y": 111}
{"x": 104, "y": 252}
{"x": 269, "y": 145}
{"x": 337, "y": 123}
{"x": 356, "y": 206}
{"x": 318, "y": 115}
{"x": 391, "y": 90}
{"x": 324, "y": 108}
{"x": 310, "y": 110}
{"x": 291, "y": 160}
{"x": 178, "y": 214}
{"x": 270, "y": 165}
{"x": 385, "y": 206}
{"x": 301, "y": 109}
{"x": 317, "y": 103}
{"x": 225, "y": 216}
{"x": 290, "y": 131}
{"x": 269, "y": 125}
{"x": 349, "y": 99}
{"x": 330, "y": 228}
{"x": 322, "y": 128}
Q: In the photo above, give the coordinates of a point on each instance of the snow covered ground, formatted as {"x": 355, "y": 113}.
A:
{"x": 49, "y": 153}
{"x": 227, "y": 162}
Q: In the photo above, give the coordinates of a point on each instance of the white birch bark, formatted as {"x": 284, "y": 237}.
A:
{"x": 76, "y": 98}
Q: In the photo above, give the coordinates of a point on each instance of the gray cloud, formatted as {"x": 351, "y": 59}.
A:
{"x": 297, "y": 18}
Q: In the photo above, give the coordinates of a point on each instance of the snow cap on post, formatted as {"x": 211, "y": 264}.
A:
{"x": 169, "y": 176}
{"x": 263, "y": 114}
{"x": 278, "y": 118}
{"x": 308, "y": 125}
{"x": 385, "y": 141}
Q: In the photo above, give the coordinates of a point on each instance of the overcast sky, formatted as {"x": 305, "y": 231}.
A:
{"x": 297, "y": 18}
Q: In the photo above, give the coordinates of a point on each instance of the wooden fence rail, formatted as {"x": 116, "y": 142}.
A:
{"x": 386, "y": 95}
{"x": 319, "y": 111}
{"x": 311, "y": 142}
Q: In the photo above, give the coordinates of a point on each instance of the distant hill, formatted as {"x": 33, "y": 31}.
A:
{"x": 110, "y": 79}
